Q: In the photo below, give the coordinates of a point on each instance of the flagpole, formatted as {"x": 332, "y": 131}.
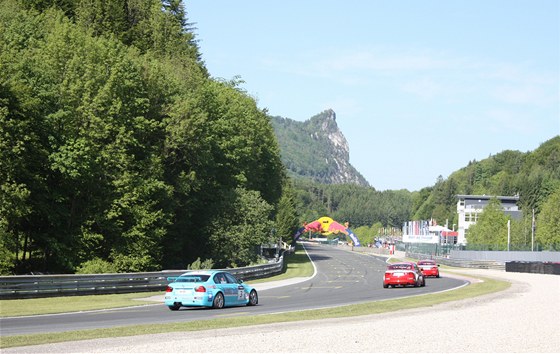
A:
{"x": 533, "y": 232}
{"x": 509, "y": 234}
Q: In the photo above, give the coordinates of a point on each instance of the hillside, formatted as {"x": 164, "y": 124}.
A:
{"x": 316, "y": 149}
{"x": 533, "y": 175}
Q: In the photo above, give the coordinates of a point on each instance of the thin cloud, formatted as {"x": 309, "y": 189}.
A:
{"x": 525, "y": 95}
{"x": 430, "y": 76}
{"x": 426, "y": 88}
{"x": 508, "y": 121}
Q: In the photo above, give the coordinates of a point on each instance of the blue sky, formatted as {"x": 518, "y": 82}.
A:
{"x": 420, "y": 88}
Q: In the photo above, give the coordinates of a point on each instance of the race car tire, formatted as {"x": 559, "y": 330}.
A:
{"x": 218, "y": 302}
{"x": 174, "y": 307}
{"x": 253, "y": 298}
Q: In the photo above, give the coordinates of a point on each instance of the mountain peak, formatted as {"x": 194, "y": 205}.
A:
{"x": 316, "y": 149}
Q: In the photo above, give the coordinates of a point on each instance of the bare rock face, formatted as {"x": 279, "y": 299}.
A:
{"x": 316, "y": 149}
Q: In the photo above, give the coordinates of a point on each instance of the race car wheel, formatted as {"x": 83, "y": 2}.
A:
{"x": 218, "y": 301}
{"x": 253, "y": 298}
{"x": 385, "y": 286}
{"x": 174, "y": 307}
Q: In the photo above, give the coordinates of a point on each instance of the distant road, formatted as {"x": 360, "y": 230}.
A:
{"x": 342, "y": 278}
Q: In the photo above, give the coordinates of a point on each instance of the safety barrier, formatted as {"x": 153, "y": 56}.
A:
{"x": 34, "y": 286}
{"x": 533, "y": 267}
{"x": 462, "y": 263}
{"x": 509, "y": 266}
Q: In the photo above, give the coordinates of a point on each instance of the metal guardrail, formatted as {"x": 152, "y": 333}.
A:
{"x": 452, "y": 262}
{"x": 34, "y": 286}
{"x": 462, "y": 263}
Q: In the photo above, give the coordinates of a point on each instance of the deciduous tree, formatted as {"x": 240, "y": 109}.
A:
{"x": 548, "y": 223}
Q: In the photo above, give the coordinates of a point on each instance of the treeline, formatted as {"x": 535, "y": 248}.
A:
{"x": 118, "y": 152}
{"x": 371, "y": 214}
{"x": 358, "y": 205}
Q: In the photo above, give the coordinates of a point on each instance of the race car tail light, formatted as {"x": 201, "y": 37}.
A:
{"x": 200, "y": 289}
{"x": 168, "y": 289}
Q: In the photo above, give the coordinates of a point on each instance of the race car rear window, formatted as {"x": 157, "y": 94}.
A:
{"x": 400, "y": 266}
{"x": 192, "y": 278}
{"x": 426, "y": 262}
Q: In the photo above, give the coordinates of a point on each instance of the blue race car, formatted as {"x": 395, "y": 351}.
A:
{"x": 213, "y": 288}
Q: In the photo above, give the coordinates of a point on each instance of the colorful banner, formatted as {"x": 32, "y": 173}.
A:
{"x": 327, "y": 226}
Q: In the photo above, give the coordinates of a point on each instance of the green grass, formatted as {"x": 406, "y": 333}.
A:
{"x": 298, "y": 266}
{"x": 50, "y": 305}
{"x": 472, "y": 290}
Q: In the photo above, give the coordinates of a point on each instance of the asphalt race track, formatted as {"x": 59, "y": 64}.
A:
{"x": 341, "y": 278}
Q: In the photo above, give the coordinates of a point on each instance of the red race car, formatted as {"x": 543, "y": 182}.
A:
{"x": 403, "y": 273}
{"x": 429, "y": 268}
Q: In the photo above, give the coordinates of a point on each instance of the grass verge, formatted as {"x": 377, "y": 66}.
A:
{"x": 298, "y": 265}
{"x": 61, "y": 304}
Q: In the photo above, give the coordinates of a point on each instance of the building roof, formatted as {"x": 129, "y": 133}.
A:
{"x": 488, "y": 197}
{"x": 509, "y": 206}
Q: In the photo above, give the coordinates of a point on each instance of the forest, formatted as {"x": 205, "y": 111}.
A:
{"x": 120, "y": 153}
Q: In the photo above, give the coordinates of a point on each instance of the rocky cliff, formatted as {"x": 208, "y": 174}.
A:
{"x": 316, "y": 149}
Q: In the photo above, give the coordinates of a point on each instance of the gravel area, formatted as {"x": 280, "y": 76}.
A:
{"x": 522, "y": 319}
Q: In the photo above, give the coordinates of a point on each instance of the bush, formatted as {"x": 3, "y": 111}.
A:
{"x": 96, "y": 266}
{"x": 198, "y": 264}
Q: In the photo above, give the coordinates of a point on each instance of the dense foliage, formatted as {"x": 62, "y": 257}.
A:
{"x": 548, "y": 233}
{"x": 117, "y": 150}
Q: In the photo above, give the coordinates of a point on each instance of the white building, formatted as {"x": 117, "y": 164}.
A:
{"x": 469, "y": 207}
{"x": 425, "y": 231}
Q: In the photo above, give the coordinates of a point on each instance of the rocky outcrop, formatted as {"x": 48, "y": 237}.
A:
{"x": 316, "y": 149}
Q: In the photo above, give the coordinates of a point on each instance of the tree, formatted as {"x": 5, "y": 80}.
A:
{"x": 521, "y": 233}
{"x": 491, "y": 227}
{"x": 287, "y": 221}
{"x": 103, "y": 17}
{"x": 237, "y": 235}
{"x": 548, "y": 223}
